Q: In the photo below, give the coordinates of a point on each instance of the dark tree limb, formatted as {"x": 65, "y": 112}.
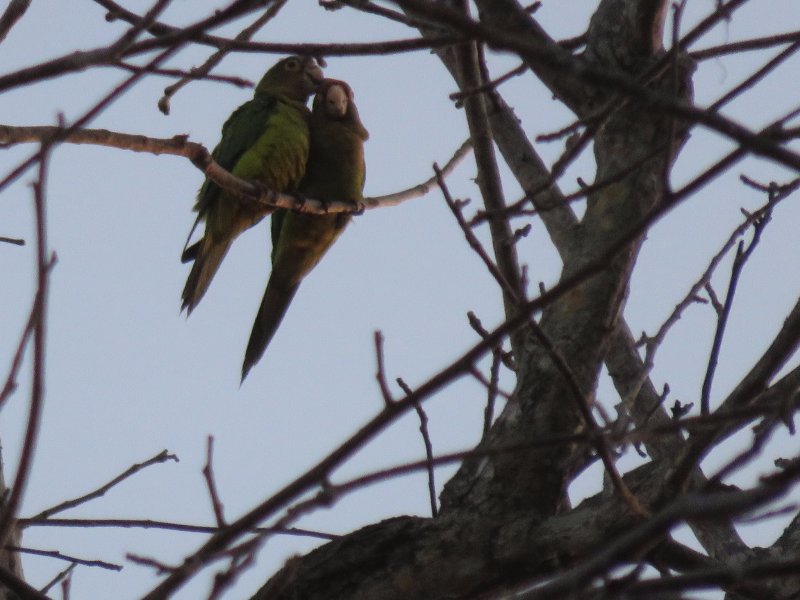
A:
{"x": 200, "y": 157}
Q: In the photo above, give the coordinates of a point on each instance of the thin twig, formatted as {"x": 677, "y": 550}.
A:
{"x": 10, "y": 385}
{"x": 675, "y": 83}
{"x": 738, "y": 264}
{"x": 491, "y": 85}
{"x": 166, "y": 525}
{"x": 242, "y": 557}
{"x": 161, "y": 457}
{"x": 761, "y": 436}
{"x": 61, "y": 556}
{"x": 58, "y": 578}
{"x": 423, "y": 188}
{"x": 66, "y": 586}
{"x": 745, "y": 45}
{"x": 750, "y": 81}
{"x": 475, "y": 323}
{"x": 14, "y": 241}
{"x": 488, "y": 413}
{"x": 375, "y": 9}
{"x": 124, "y": 42}
{"x": 208, "y": 475}
{"x": 145, "y": 561}
{"x": 239, "y": 82}
{"x": 12, "y": 503}
{"x": 426, "y": 439}
{"x": 480, "y": 378}
{"x": 713, "y": 299}
{"x": 380, "y": 375}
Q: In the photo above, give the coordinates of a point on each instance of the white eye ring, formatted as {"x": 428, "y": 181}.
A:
{"x": 292, "y": 65}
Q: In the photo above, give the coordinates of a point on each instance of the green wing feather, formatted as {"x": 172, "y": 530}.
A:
{"x": 239, "y": 133}
{"x": 245, "y": 125}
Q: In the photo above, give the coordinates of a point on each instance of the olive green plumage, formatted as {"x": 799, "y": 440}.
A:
{"x": 266, "y": 140}
{"x": 335, "y": 172}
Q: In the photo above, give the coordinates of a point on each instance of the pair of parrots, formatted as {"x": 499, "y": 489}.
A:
{"x": 274, "y": 139}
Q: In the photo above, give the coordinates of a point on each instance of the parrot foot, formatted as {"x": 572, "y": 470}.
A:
{"x": 267, "y": 196}
{"x": 359, "y": 209}
{"x": 300, "y": 207}
{"x": 325, "y": 205}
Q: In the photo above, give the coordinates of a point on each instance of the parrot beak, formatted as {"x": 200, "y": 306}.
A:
{"x": 313, "y": 74}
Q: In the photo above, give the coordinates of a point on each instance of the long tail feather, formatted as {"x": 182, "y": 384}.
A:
{"x": 208, "y": 257}
{"x": 277, "y": 298}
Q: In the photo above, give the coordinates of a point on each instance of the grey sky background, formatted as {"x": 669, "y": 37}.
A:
{"x": 128, "y": 376}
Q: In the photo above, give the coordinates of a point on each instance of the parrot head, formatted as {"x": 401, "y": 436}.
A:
{"x": 294, "y": 77}
{"x": 335, "y": 100}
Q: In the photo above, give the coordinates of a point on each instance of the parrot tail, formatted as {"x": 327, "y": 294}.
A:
{"x": 190, "y": 253}
{"x": 207, "y": 257}
{"x": 277, "y": 298}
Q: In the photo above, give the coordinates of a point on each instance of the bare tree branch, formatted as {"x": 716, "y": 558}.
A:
{"x": 10, "y": 506}
{"x": 200, "y": 157}
{"x": 161, "y": 457}
{"x": 73, "y": 559}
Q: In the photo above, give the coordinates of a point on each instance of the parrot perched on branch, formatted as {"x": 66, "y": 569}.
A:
{"x": 335, "y": 171}
{"x": 266, "y": 139}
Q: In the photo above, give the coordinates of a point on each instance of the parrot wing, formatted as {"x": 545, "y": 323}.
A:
{"x": 239, "y": 133}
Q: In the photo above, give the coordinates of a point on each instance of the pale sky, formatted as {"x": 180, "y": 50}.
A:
{"x": 128, "y": 375}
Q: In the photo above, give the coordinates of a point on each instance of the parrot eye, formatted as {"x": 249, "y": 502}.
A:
{"x": 292, "y": 65}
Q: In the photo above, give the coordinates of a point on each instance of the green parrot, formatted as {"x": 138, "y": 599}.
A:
{"x": 266, "y": 140}
{"x": 335, "y": 171}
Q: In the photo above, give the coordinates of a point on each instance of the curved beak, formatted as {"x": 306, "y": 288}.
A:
{"x": 314, "y": 74}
